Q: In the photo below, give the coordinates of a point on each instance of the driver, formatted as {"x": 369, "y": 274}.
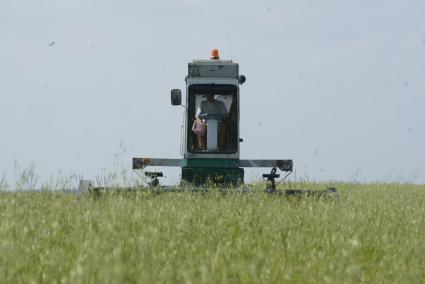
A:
{"x": 209, "y": 106}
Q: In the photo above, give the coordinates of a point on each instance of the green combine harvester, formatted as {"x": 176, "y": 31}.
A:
{"x": 210, "y": 143}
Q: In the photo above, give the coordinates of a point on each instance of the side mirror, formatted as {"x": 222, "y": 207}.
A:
{"x": 242, "y": 79}
{"x": 176, "y": 97}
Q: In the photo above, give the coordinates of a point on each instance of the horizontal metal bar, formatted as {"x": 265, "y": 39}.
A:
{"x": 140, "y": 163}
{"x": 283, "y": 165}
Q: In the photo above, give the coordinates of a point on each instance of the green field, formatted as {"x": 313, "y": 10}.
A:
{"x": 374, "y": 233}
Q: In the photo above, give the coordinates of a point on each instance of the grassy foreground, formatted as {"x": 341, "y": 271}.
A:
{"x": 375, "y": 234}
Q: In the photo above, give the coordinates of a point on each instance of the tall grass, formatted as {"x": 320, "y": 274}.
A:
{"x": 373, "y": 233}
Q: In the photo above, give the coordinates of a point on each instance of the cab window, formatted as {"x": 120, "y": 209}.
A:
{"x": 212, "y": 119}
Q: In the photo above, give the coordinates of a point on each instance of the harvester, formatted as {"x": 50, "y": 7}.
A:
{"x": 210, "y": 136}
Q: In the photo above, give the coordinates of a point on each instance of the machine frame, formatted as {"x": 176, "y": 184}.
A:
{"x": 220, "y": 168}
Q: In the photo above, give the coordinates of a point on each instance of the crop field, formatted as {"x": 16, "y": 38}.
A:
{"x": 374, "y": 233}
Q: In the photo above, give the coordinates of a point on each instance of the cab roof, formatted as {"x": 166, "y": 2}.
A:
{"x": 213, "y": 68}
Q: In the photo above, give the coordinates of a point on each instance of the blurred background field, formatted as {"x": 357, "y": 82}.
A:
{"x": 373, "y": 233}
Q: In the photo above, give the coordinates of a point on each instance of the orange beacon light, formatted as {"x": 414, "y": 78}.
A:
{"x": 214, "y": 54}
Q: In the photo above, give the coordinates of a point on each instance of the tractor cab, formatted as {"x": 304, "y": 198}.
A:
{"x": 211, "y": 124}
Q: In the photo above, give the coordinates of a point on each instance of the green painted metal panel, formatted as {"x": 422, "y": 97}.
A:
{"x": 210, "y": 163}
{"x": 217, "y": 176}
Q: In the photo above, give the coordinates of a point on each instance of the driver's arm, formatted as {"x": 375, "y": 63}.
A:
{"x": 197, "y": 115}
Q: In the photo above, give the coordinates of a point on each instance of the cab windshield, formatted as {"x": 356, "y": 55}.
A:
{"x": 212, "y": 119}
